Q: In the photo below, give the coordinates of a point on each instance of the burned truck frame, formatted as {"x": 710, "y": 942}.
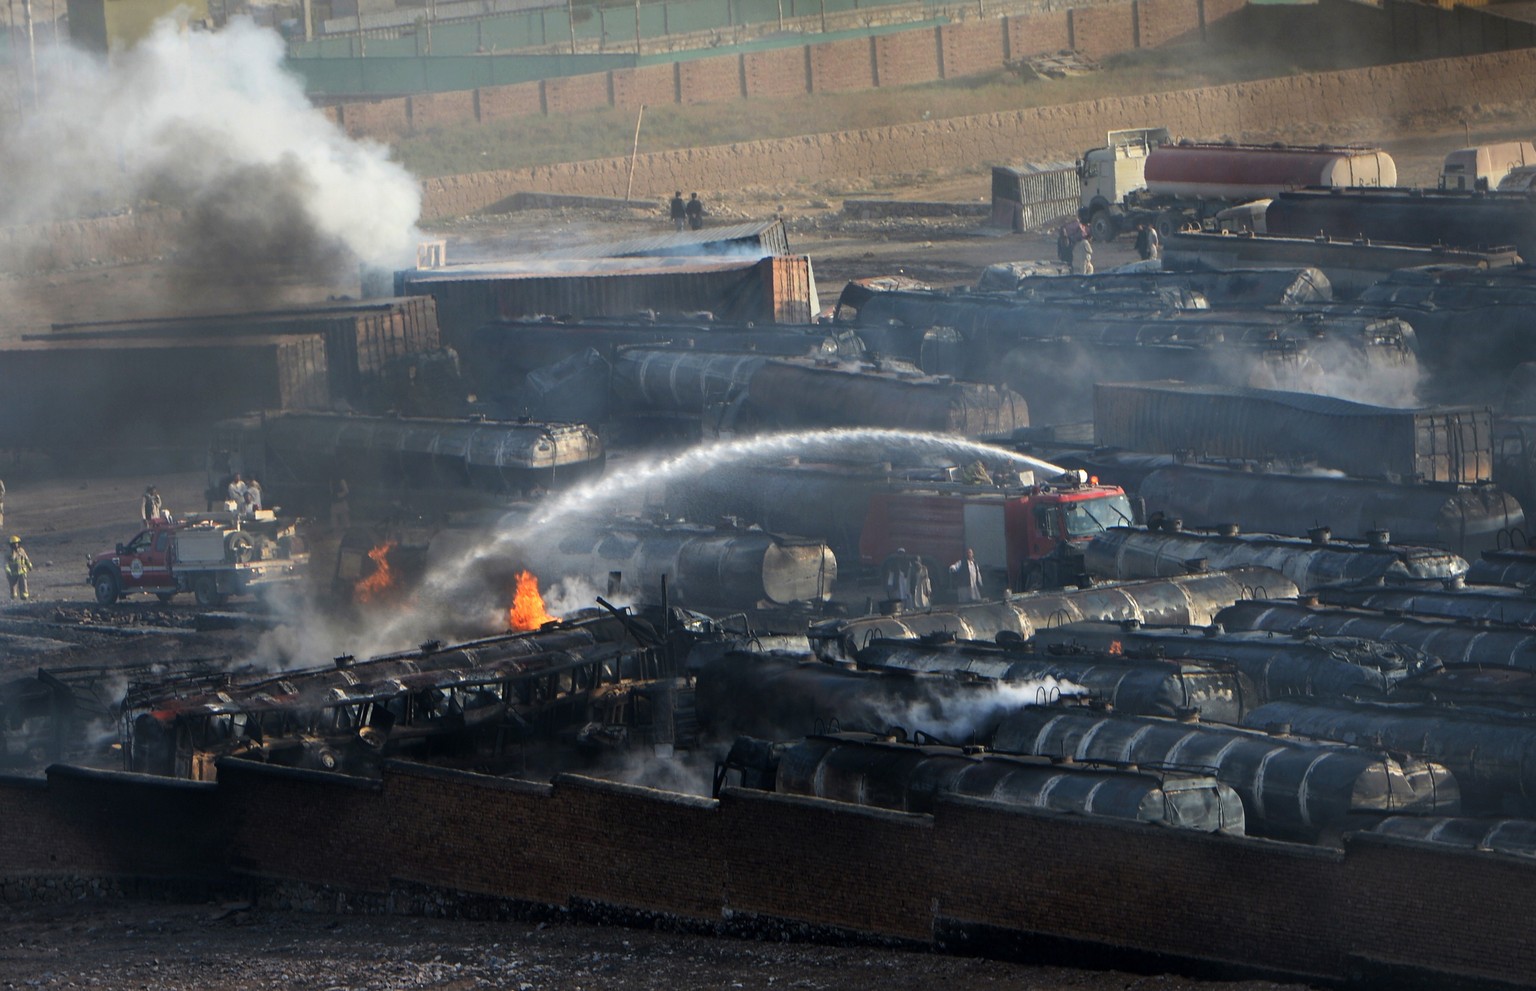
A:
{"x": 476, "y": 702}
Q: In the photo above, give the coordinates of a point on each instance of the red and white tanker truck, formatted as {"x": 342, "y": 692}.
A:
{"x": 1143, "y": 175}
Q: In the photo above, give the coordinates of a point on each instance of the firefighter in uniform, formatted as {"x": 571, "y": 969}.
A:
{"x": 17, "y": 564}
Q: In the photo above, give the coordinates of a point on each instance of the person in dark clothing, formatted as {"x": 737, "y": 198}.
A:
{"x": 695, "y": 211}
{"x": 678, "y": 211}
{"x": 1148, "y": 242}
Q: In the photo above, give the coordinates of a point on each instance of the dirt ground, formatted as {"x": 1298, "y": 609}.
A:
{"x": 167, "y": 947}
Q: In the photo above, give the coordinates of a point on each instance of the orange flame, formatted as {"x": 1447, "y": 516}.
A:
{"x": 381, "y": 579}
{"x": 527, "y": 612}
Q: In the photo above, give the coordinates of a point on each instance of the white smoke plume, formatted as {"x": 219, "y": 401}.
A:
{"x": 210, "y": 125}
{"x": 970, "y": 717}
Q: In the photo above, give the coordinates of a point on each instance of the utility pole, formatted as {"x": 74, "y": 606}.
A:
{"x": 637, "y": 28}
{"x": 634, "y": 151}
{"x": 570, "y": 18}
{"x": 26, "y": 12}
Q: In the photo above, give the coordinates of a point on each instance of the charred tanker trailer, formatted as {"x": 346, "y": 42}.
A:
{"x": 1492, "y": 754}
{"x": 1291, "y": 787}
{"x": 475, "y": 698}
{"x": 749, "y": 391}
{"x": 1142, "y": 685}
{"x": 1408, "y": 216}
{"x": 1477, "y": 603}
{"x": 867, "y": 770}
{"x": 1192, "y": 600}
{"x": 1277, "y": 665}
{"x": 1129, "y": 553}
{"x": 443, "y": 463}
{"x": 1452, "y": 643}
{"x": 1463, "y": 519}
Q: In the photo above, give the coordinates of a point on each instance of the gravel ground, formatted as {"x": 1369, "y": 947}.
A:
{"x": 166, "y": 947}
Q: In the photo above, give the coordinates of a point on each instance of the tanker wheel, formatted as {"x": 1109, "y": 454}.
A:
{"x": 1168, "y": 224}
{"x": 1102, "y": 224}
{"x": 107, "y": 589}
{"x": 207, "y": 591}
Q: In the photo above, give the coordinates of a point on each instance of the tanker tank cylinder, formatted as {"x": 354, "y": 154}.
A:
{"x": 1291, "y": 788}
{"x": 1186, "y": 600}
{"x": 864, "y": 769}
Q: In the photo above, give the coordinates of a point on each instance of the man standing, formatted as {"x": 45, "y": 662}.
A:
{"x": 2, "y": 503}
{"x": 253, "y": 497}
{"x": 17, "y": 564}
{"x": 678, "y": 211}
{"x": 1149, "y": 243}
{"x": 967, "y": 577}
{"x": 151, "y": 507}
{"x": 695, "y": 211}
{"x": 898, "y": 580}
{"x": 236, "y": 501}
{"x": 341, "y": 509}
{"x": 1082, "y": 257}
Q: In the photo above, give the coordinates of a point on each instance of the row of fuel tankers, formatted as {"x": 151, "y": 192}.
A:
{"x": 1310, "y": 689}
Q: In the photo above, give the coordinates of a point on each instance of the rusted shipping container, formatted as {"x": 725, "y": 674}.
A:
{"x": 360, "y": 338}
{"x": 1448, "y": 444}
{"x": 83, "y": 396}
{"x": 769, "y": 290}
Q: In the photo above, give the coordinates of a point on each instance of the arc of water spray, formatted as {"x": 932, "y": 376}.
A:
{"x": 446, "y": 580}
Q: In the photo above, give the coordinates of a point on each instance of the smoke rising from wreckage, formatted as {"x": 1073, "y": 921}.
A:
{"x": 520, "y": 596}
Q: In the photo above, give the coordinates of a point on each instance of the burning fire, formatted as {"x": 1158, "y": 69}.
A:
{"x": 527, "y": 612}
{"x": 381, "y": 579}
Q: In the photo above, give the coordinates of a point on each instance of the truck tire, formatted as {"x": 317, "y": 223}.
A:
{"x": 1168, "y": 223}
{"x": 108, "y": 590}
{"x": 207, "y": 591}
{"x": 165, "y": 597}
{"x": 1102, "y": 225}
{"x": 240, "y": 547}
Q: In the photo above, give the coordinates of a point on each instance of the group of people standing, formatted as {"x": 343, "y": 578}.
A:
{"x": 689, "y": 214}
{"x": 244, "y": 497}
{"x": 1074, "y": 244}
{"x": 908, "y": 581}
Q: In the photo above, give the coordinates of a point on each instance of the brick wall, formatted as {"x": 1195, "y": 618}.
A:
{"x": 970, "y": 49}
{"x": 1101, "y": 31}
{"x": 1038, "y": 34}
{"x": 1358, "y": 99}
{"x": 907, "y": 57}
{"x": 653, "y": 85}
{"x": 431, "y": 110}
{"x": 777, "y": 73}
{"x": 709, "y": 80}
{"x": 842, "y": 65}
{"x": 1160, "y": 22}
{"x": 513, "y": 100}
{"x": 380, "y": 119}
{"x": 970, "y": 877}
{"x": 572, "y": 93}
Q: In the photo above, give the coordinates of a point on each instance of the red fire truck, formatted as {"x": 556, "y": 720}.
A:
{"x": 213, "y": 556}
{"x": 1022, "y": 537}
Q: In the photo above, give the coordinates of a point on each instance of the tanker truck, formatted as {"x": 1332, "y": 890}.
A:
{"x": 1143, "y": 176}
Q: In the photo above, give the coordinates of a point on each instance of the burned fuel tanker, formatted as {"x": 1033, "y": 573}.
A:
{"x": 1191, "y": 600}
{"x": 863, "y": 769}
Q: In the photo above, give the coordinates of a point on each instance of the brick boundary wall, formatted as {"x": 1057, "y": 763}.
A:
{"x": 1375, "y": 96}
{"x": 970, "y": 878}
{"x": 1410, "y": 30}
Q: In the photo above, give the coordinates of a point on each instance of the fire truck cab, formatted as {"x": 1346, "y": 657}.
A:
{"x": 1022, "y": 537}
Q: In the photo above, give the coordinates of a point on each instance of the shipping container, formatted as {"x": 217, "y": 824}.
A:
{"x": 361, "y": 339}
{"x": 753, "y": 239}
{"x": 1432, "y": 445}
{"x": 778, "y": 289}
{"x": 83, "y": 397}
{"x": 1029, "y": 197}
